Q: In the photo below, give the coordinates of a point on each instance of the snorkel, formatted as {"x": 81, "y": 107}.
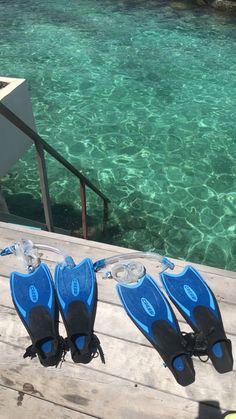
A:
{"x": 125, "y": 270}
{"x": 28, "y": 253}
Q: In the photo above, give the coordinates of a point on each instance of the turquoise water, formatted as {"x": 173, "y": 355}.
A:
{"x": 141, "y": 97}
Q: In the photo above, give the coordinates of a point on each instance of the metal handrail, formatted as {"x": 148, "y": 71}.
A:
{"x": 41, "y": 145}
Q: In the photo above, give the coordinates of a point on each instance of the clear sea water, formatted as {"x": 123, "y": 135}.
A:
{"x": 141, "y": 97}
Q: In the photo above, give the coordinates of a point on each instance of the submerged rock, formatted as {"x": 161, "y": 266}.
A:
{"x": 224, "y": 5}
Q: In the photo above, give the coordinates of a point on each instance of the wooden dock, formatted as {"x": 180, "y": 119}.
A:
{"x": 133, "y": 383}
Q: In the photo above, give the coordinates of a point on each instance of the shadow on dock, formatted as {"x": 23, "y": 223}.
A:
{"x": 210, "y": 409}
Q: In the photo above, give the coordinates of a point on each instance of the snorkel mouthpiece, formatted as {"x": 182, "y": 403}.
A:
{"x": 167, "y": 264}
{"x": 7, "y": 251}
{"x": 99, "y": 264}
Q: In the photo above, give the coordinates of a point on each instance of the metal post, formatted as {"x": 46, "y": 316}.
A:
{"x": 105, "y": 213}
{"x": 44, "y": 185}
{"x": 42, "y": 146}
{"x": 84, "y": 212}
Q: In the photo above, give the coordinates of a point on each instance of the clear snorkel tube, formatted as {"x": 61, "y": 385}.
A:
{"x": 125, "y": 270}
{"x": 28, "y": 253}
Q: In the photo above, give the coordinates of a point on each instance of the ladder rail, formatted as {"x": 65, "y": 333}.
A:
{"x": 41, "y": 146}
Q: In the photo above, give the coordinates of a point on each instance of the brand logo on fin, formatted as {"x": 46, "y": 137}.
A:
{"x": 190, "y": 293}
{"x": 75, "y": 287}
{"x": 148, "y": 307}
{"x": 33, "y": 294}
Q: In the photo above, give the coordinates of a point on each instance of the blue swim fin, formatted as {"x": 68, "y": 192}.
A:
{"x": 76, "y": 290}
{"x": 148, "y": 308}
{"x": 197, "y": 303}
{"x": 34, "y": 299}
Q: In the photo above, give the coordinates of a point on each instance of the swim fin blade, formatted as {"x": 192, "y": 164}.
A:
{"x": 149, "y": 309}
{"x": 197, "y": 304}
{"x": 34, "y": 298}
{"x": 76, "y": 290}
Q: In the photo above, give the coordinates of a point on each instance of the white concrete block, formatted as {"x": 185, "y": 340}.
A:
{"x": 13, "y": 143}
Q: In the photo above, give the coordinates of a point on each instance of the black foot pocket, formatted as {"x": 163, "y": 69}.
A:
{"x": 221, "y": 356}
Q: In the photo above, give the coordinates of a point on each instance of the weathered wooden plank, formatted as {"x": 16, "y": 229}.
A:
{"x": 96, "y": 393}
{"x": 136, "y": 364}
{"x": 107, "y": 293}
{"x": 110, "y": 321}
{"x": 20, "y": 405}
{"x": 223, "y": 287}
{"x": 205, "y": 269}
{"x": 132, "y": 361}
{"x": 115, "y": 322}
{"x": 11, "y": 232}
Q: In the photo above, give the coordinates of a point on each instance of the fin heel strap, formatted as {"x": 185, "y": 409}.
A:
{"x": 32, "y": 351}
{"x": 94, "y": 350}
{"x": 196, "y": 344}
{"x": 97, "y": 349}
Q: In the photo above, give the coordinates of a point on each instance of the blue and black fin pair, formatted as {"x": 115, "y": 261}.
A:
{"x": 149, "y": 309}
{"x": 197, "y": 303}
{"x": 33, "y": 295}
{"x": 76, "y": 290}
